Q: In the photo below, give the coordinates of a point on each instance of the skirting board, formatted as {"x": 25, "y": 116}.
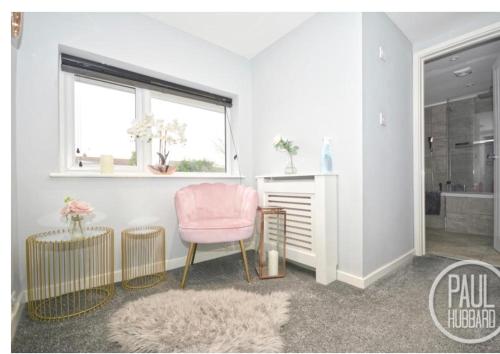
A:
{"x": 364, "y": 282}
{"x": 174, "y": 263}
{"x": 17, "y": 305}
{"x": 202, "y": 256}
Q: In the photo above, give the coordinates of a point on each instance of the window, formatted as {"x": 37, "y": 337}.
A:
{"x": 102, "y": 114}
{"x": 99, "y": 108}
{"x": 204, "y": 126}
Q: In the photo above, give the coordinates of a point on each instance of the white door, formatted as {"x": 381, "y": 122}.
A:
{"x": 496, "y": 118}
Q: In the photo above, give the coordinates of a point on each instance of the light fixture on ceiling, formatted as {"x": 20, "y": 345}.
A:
{"x": 454, "y": 58}
{"x": 463, "y": 72}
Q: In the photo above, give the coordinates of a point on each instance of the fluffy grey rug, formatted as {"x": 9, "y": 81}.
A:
{"x": 226, "y": 320}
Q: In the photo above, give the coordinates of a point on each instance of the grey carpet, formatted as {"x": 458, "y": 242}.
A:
{"x": 390, "y": 316}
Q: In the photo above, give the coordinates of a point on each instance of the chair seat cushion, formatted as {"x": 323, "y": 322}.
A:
{"x": 218, "y": 223}
{"x": 216, "y": 230}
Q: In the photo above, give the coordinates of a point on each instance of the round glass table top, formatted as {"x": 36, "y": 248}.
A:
{"x": 142, "y": 230}
{"x": 66, "y": 235}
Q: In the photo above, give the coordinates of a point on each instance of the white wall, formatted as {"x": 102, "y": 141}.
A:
{"x": 133, "y": 39}
{"x": 306, "y": 86}
{"x": 387, "y": 151}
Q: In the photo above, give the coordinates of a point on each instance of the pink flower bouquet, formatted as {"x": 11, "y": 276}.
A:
{"x": 74, "y": 211}
{"x": 76, "y": 208}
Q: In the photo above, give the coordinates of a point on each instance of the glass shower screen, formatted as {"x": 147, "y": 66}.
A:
{"x": 470, "y": 144}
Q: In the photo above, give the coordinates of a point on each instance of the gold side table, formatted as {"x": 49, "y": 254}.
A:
{"x": 143, "y": 257}
{"x": 69, "y": 276}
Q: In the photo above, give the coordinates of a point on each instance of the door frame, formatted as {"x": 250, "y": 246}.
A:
{"x": 496, "y": 167}
{"x": 481, "y": 35}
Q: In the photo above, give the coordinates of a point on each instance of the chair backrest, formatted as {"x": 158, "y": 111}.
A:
{"x": 214, "y": 200}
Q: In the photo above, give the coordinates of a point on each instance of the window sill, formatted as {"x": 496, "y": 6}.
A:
{"x": 92, "y": 174}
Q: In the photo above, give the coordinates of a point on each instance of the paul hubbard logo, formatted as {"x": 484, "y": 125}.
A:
{"x": 464, "y": 302}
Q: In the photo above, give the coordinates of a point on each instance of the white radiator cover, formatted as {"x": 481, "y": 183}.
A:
{"x": 311, "y": 203}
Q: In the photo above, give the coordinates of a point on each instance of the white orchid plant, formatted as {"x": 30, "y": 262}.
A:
{"x": 142, "y": 129}
{"x": 168, "y": 134}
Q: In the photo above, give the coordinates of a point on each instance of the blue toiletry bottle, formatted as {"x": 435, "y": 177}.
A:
{"x": 327, "y": 156}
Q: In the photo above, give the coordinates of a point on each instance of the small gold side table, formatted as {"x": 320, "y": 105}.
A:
{"x": 69, "y": 276}
{"x": 143, "y": 257}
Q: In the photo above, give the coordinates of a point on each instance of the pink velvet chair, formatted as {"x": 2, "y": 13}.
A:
{"x": 214, "y": 213}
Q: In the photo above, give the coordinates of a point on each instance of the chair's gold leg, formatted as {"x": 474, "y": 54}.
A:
{"x": 194, "y": 253}
{"x": 245, "y": 263}
{"x": 189, "y": 258}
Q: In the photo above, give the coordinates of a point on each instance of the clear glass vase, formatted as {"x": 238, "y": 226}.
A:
{"x": 290, "y": 168}
{"x": 75, "y": 227}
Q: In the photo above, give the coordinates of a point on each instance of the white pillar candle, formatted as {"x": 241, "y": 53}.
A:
{"x": 106, "y": 162}
{"x": 272, "y": 263}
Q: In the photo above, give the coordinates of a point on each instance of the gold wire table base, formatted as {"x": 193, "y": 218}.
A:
{"x": 68, "y": 276}
{"x": 143, "y": 257}
{"x": 143, "y": 282}
{"x": 40, "y": 311}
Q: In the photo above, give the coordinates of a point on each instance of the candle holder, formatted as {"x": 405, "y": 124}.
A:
{"x": 270, "y": 260}
{"x": 107, "y": 164}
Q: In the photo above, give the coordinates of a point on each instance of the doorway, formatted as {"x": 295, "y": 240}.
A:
{"x": 456, "y": 115}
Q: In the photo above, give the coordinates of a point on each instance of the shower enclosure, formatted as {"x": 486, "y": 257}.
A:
{"x": 459, "y": 153}
{"x": 460, "y": 145}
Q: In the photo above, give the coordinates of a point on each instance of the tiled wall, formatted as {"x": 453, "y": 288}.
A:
{"x": 460, "y": 130}
{"x": 437, "y": 127}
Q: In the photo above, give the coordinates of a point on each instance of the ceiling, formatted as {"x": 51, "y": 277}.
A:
{"x": 440, "y": 82}
{"x": 248, "y": 34}
{"x": 425, "y": 28}
{"x": 245, "y": 34}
